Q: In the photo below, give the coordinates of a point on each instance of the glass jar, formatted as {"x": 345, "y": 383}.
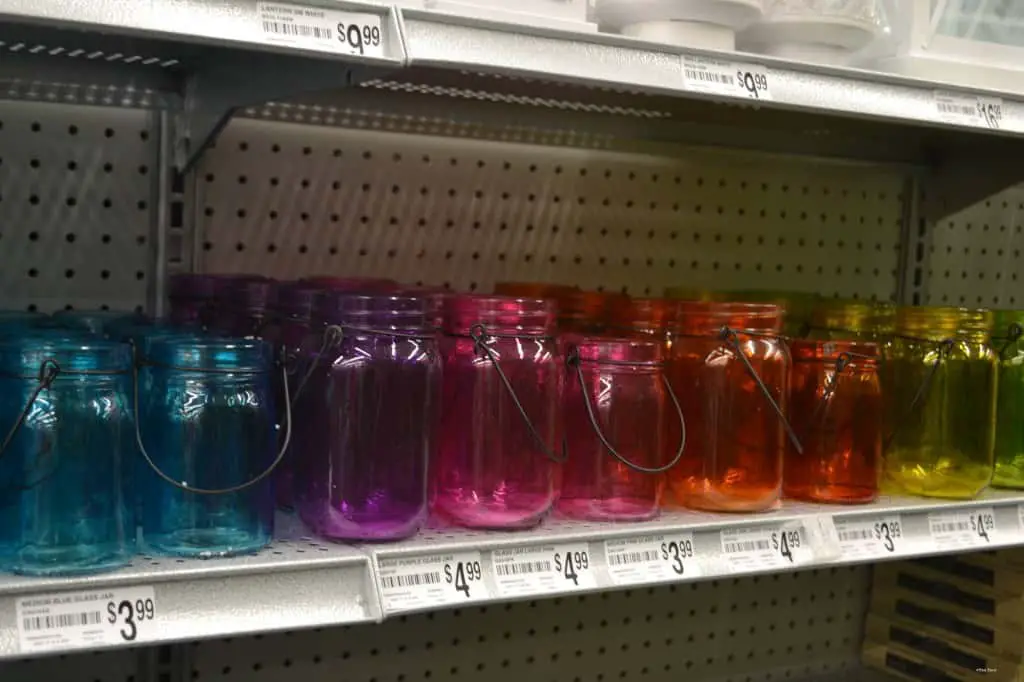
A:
{"x": 641, "y": 316}
{"x": 939, "y": 383}
{"x": 797, "y": 307}
{"x": 1007, "y": 332}
{"x": 835, "y": 408}
{"x": 363, "y": 285}
{"x": 838, "y": 319}
{"x": 615, "y": 405}
{"x": 730, "y": 370}
{"x": 64, "y": 474}
{"x": 245, "y": 307}
{"x": 369, "y": 408}
{"x": 191, "y": 298}
{"x": 208, "y": 429}
{"x": 97, "y": 322}
{"x": 583, "y": 313}
{"x": 500, "y": 434}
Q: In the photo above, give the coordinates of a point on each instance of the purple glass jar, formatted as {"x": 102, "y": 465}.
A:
{"x": 500, "y": 434}
{"x": 244, "y": 307}
{"x": 191, "y": 296}
{"x": 367, "y": 407}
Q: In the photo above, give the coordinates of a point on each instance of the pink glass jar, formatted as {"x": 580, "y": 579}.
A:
{"x": 500, "y": 437}
{"x": 616, "y": 401}
{"x": 367, "y": 285}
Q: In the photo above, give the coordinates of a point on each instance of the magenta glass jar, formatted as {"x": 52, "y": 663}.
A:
{"x": 500, "y": 436}
{"x": 616, "y": 405}
{"x": 367, "y": 417}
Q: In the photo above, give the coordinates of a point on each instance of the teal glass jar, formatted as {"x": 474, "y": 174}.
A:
{"x": 65, "y": 468}
{"x": 1008, "y": 342}
{"x": 95, "y": 321}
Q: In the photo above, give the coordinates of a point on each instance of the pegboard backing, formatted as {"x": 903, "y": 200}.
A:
{"x": 775, "y": 627}
{"x": 97, "y": 666}
{"x": 77, "y": 207}
{"x": 975, "y": 255}
{"x": 289, "y": 200}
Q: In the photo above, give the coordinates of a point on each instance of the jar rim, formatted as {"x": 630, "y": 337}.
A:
{"x": 859, "y": 352}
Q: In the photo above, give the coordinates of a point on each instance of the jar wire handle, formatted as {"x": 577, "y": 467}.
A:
{"x": 333, "y": 335}
{"x": 943, "y": 350}
{"x": 573, "y": 361}
{"x": 1013, "y": 334}
{"x": 478, "y": 333}
{"x": 729, "y": 336}
{"x": 48, "y": 371}
{"x": 216, "y": 491}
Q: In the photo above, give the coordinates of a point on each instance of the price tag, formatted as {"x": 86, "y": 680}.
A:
{"x": 317, "y": 28}
{"x": 536, "y": 570}
{"x": 438, "y": 580}
{"x": 733, "y": 79}
{"x": 746, "y": 549}
{"x": 964, "y": 528}
{"x": 74, "y": 620}
{"x": 651, "y": 558}
{"x": 970, "y": 110}
{"x": 871, "y": 538}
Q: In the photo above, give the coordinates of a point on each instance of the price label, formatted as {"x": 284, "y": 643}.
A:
{"x": 317, "y": 28}
{"x": 965, "y": 528}
{"x": 871, "y": 538}
{"x": 75, "y": 620}
{"x": 651, "y": 558}
{"x": 747, "y": 549}
{"x": 733, "y": 79}
{"x": 437, "y": 580}
{"x": 537, "y": 570}
{"x": 970, "y": 110}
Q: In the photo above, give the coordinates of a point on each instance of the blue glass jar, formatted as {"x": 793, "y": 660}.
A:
{"x": 208, "y": 430}
{"x": 95, "y": 321}
{"x": 66, "y": 467}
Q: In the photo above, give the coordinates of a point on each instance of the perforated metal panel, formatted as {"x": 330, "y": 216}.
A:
{"x": 289, "y": 200}
{"x": 76, "y": 206}
{"x": 100, "y": 666}
{"x": 748, "y": 630}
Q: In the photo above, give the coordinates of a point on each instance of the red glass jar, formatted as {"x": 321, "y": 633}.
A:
{"x": 730, "y": 371}
{"x": 553, "y": 292}
{"x": 614, "y": 403}
{"x": 836, "y": 412}
{"x": 499, "y": 445}
{"x": 644, "y": 316}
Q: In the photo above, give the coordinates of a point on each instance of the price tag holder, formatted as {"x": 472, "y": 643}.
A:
{"x": 321, "y": 29}
{"x": 73, "y": 620}
{"x": 652, "y": 558}
{"x": 765, "y": 547}
{"x": 732, "y": 79}
{"x": 437, "y": 580}
{"x": 539, "y": 570}
{"x": 964, "y": 528}
{"x": 872, "y": 538}
{"x": 970, "y": 110}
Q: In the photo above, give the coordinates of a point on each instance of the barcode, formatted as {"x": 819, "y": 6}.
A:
{"x": 524, "y": 567}
{"x": 710, "y": 77}
{"x": 299, "y": 30}
{"x": 414, "y": 580}
{"x": 746, "y": 546}
{"x": 848, "y": 534}
{"x": 632, "y": 557}
{"x": 958, "y": 109}
{"x": 950, "y": 526}
{"x": 61, "y": 620}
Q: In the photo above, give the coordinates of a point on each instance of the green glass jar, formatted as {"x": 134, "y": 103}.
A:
{"x": 842, "y": 319}
{"x": 939, "y": 385}
{"x": 1007, "y": 332}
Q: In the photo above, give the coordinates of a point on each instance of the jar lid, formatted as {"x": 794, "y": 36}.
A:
{"x": 381, "y": 312}
{"x": 859, "y": 352}
{"x": 607, "y": 349}
{"x": 506, "y": 314}
{"x": 71, "y": 350}
{"x": 192, "y": 352}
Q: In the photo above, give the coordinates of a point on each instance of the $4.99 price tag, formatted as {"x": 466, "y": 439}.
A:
{"x": 652, "y": 558}
{"x": 732, "y": 79}
{"x": 871, "y": 537}
{"x": 538, "y": 570}
{"x": 964, "y": 528}
{"x": 75, "y": 620}
{"x": 437, "y": 580}
{"x": 747, "y": 549}
{"x": 317, "y": 28}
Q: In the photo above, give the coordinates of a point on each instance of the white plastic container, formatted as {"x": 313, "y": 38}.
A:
{"x": 817, "y": 31}
{"x": 708, "y": 24}
{"x": 971, "y": 43}
{"x": 571, "y": 15}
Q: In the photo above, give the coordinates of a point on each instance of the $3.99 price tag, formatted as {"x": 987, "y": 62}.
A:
{"x": 651, "y": 558}
{"x": 539, "y": 570}
{"x": 437, "y": 580}
{"x": 318, "y": 28}
{"x": 871, "y": 537}
{"x": 74, "y": 620}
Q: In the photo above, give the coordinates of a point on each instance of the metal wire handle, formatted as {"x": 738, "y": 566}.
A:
{"x": 478, "y": 333}
{"x": 216, "y": 491}
{"x": 1013, "y": 334}
{"x": 573, "y": 360}
{"x": 944, "y": 348}
{"x": 730, "y": 336}
{"x": 843, "y": 360}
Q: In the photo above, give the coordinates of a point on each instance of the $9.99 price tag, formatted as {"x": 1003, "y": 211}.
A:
{"x": 75, "y": 620}
{"x": 436, "y": 580}
{"x": 732, "y": 79}
{"x": 538, "y": 570}
{"x": 318, "y": 28}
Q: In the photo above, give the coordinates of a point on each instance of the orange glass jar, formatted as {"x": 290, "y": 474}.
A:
{"x": 642, "y": 316}
{"x": 586, "y": 312}
{"x": 730, "y": 371}
{"x": 836, "y": 411}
